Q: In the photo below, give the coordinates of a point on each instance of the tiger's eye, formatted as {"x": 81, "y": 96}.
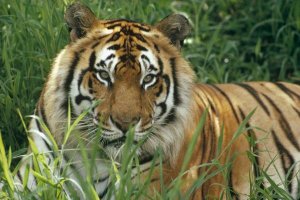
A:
{"x": 148, "y": 78}
{"x": 104, "y": 75}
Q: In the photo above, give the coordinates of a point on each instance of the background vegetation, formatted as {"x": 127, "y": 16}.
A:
{"x": 231, "y": 41}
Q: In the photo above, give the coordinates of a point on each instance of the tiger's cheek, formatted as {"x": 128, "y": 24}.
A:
{"x": 98, "y": 90}
{"x": 93, "y": 89}
{"x": 156, "y": 95}
{"x": 154, "y": 92}
{"x": 147, "y": 102}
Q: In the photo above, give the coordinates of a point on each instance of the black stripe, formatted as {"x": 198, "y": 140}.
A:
{"x": 102, "y": 179}
{"x": 79, "y": 98}
{"x": 203, "y": 150}
{"x": 102, "y": 194}
{"x": 163, "y": 107}
{"x": 204, "y": 145}
{"x": 145, "y": 159}
{"x": 171, "y": 116}
{"x": 42, "y": 111}
{"x": 126, "y": 30}
{"x": 154, "y": 180}
{"x": 92, "y": 61}
{"x": 113, "y": 26}
{"x": 212, "y": 138}
{"x": 117, "y": 20}
{"x": 285, "y": 126}
{"x": 43, "y": 115}
{"x": 38, "y": 125}
{"x": 297, "y": 111}
{"x": 160, "y": 64}
{"x": 95, "y": 44}
{"x": 90, "y": 84}
{"x": 114, "y": 37}
{"x": 255, "y": 95}
{"x": 255, "y": 162}
{"x": 110, "y": 56}
{"x": 141, "y": 48}
{"x": 212, "y": 106}
{"x": 102, "y": 36}
{"x": 251, "y": 134}
{"x": 286, "y": 160}
{"x": 114, "y": 47}
{"x": 163, "y": 104}
{"x": 101, "y": 63}
{"x": 80, "y": 33}
{"x": 228, "y": 100}
{"x": 160, "y": 89}
{"x": 143, "y": 28}
{"x": 127, "y": 57}
{"x": 152, "y": 68}
{"x": 287, "y": 91}
{"x": 145, "y": 57}
{"x": 80, "y": 79}
{"x": 40, "y": 129}
{"x": 20, "y": 176}
{"x": 82, "y": 50}
{"x": 140, "y": 37}
{"x": 67, "y": 85}
{"x": 167, "y": 81}
{"x": 49, "y": 148}
{"x": 156, "y": 48}
{"x": 176, "y": 94}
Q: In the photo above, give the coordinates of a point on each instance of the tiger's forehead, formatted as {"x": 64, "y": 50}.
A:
{"x": 125, "y": 45}
{"x": 113, "y": 60}
{"x": 126, "y": 26}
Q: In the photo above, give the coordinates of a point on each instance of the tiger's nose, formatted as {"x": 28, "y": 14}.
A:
{"x": 125, "y": 122}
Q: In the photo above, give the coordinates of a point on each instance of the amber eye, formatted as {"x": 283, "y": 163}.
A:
{"x": 148, "y": 78}
{"x": 104, "y": 75}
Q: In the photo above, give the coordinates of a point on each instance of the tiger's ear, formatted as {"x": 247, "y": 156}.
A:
{"x": 176, "y": 27}
{"x": 79, "y": 19}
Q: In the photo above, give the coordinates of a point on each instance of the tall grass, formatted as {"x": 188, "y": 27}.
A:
{"x": 231, "y": 41}
{"x": 54, "y": 182}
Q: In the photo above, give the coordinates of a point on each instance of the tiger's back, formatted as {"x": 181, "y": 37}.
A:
{"x": 273, "y": 130}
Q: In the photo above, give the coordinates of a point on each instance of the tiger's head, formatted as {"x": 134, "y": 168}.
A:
{"x": 136, "y": 73}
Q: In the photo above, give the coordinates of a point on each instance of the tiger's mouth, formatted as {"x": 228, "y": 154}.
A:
{"x": 114, "y": 144}
{"x": 117, "y": 142}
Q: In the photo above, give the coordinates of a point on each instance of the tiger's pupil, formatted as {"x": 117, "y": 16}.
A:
{"x": 148, "y": 78}
{"x": 104, "y": 75}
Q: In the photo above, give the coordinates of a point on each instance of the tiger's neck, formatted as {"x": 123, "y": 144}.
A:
{"x": 205, "y": 98}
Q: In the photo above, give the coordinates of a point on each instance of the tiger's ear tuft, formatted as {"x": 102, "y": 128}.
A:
{"x": 176, "y": 27}
{"x": 79, "y": 19}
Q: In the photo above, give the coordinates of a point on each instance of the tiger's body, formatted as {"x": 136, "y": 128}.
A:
{"x": 277, "y": 116}
{"x": 142, "y": 81}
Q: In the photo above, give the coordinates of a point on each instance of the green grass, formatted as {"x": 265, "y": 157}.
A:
{"x": 231, "y": 41}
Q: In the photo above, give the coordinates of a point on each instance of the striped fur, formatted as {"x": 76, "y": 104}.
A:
{"x": 141, "y": 80}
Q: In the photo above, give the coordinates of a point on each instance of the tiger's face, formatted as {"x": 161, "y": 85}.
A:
{"x": 135, "y": 74}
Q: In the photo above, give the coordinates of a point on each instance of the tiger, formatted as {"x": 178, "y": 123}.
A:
{"x": 132, "y": 76}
